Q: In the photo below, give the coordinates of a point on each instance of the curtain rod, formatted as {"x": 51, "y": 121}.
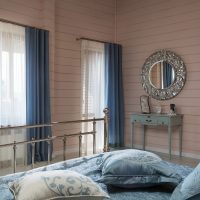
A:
{"x": 94, "y": 40}
{"x": 19, "y": 24}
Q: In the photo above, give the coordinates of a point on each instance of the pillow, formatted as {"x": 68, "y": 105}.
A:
{"x": 136, "y": 168}
{"x": 56, "y": 184}
{"x": 189, "y": 188}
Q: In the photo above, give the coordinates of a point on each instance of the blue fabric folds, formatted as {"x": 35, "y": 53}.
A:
{"x": 114, "y": 93}
{"x": 37, "y": 90}
{"x": 189, "y": 189}
{"x": 136, "y": 169}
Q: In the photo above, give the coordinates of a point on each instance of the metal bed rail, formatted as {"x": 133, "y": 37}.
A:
{"x": 64, "y": 137}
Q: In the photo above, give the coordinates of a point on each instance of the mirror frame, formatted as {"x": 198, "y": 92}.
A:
{"x": 180, "y": 75}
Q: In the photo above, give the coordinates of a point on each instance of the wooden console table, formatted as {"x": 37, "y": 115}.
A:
{"x": 159, "y": 120}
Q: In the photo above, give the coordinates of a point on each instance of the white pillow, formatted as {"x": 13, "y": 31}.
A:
{"x": 56, "y": 184}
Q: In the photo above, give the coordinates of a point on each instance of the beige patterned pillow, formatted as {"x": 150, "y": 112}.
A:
{"x": 56, "y": 184}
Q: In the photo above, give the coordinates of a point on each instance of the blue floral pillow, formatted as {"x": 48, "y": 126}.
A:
{"x": 56, "y": 184}
{"x": 136, "y": 168}
{"x": 189, "y": 189}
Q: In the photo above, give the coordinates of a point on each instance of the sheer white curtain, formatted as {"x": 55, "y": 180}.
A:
{"x": 12, "y": 86}
{"x": 92, "y": 61}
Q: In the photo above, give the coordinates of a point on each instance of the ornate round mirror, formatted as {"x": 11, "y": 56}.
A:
{"x": 163, "y": 75}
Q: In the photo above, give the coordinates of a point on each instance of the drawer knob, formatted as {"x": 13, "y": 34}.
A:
{"x": 148, "y": 120}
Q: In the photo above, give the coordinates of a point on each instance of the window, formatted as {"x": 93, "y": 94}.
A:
{"x": 12, "y": 83}
{"x": 12, "y": 75}
{"x": 93, "y": 85}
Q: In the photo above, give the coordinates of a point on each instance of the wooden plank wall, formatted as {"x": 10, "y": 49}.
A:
{"x": 66, "y": 20}
{"x": 74, "y": 19}
{"x": 144, "y": 27}
{"x": 37, "y": 14}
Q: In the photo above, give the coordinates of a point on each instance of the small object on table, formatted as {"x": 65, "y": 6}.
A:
{"x": 172, "y": 109}
{"x": 144, "y": 103}
{"x": 157, "y": 109}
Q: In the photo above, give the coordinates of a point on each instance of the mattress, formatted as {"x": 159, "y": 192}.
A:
{"x": 89, "y": 166}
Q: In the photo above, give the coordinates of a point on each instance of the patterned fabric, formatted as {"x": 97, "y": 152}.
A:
{"x": 189, "y": 188}
{"x": 89, "y": 166}
{"x": 136, "y": 168}
{"x": 57, "y": 183}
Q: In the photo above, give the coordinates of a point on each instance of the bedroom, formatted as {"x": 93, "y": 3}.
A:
{"x": 141, "y": 27}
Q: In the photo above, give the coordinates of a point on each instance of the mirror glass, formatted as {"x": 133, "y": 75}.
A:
{"x": 162, "y": 75}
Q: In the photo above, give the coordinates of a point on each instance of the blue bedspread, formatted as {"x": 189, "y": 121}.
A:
{"x": 89, "y": 166}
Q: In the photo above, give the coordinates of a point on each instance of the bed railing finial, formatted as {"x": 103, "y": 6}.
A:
{"x": 106, "y": 133}
{"x": 94, "y": 135}
{"x": 14, "y": 156}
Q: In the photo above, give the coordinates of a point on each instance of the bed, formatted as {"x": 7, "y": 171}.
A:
{"x": 89, "y": 166}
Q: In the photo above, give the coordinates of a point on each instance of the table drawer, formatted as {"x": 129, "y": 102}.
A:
{"x": 149, "y": 119}
{"x": 162, "y": 121}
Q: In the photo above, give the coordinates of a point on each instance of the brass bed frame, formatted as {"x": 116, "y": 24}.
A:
{"x": 64, "y": 137}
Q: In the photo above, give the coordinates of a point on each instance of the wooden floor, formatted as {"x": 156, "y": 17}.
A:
{"x": 180, "y": 160}
{"x": 175, "y": 159}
